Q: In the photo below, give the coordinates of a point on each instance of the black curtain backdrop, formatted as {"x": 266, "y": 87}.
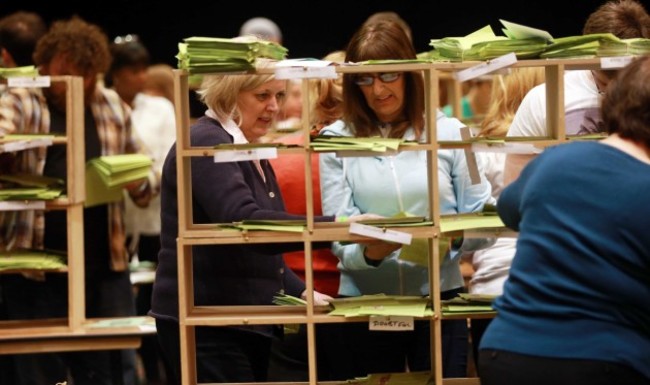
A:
{"x": 311, "y": 28}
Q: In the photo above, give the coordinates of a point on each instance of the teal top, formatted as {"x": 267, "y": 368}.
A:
{"x": 465, "y": 108}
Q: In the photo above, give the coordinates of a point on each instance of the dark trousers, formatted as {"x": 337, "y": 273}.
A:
{"x": 149, "y": 351}
{"x": 223, "y": 354}
{"x": 479, "y": 325}
{"x": 506, "y": 368}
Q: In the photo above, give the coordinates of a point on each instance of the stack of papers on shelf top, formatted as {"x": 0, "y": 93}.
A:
{"x": 368, "y": 305}
{"x": 106, "y": 175}
{"x": 32, "y": 259}
{"x": 380, "y": 304}
{"x": 624, "y": 47}
{"x": 578, "y": 46}
{"x": 483, "y": 44}
{"x": 213, "y": 54}
{"x": 25, "y": 71}
{"x": 346, "y": 143}
{"x": 466, "y": 303}
{"x": 30, "y": 187}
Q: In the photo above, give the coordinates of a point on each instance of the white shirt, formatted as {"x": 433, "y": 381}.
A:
{"x": 154, "y": 125}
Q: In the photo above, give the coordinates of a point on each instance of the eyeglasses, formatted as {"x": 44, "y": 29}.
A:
{"x": 385, "y": 77}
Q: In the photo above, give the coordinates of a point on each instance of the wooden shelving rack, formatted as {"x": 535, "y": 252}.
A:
{"x": 191, "y": 234}
{"x": 75, "y": 332}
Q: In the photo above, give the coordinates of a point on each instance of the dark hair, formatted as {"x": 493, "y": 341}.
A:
{"x": 84, "y": 45}
{"x": 19, "y": 33}
{"x": 390, "y": 15}
{"x": 382, "y": 40}
{"x": 129, "y": 54}
{"x": 626, "y": 105}
{"x": 626, "y": 19}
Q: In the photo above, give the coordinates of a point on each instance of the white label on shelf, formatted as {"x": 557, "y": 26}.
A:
{"x": 391, "y": 323}
{"x": 21, "y": 205}
{"x": 306, "y": 73}
{"x": 147, "y": 328}
{"x": 486, "y": 67}
{"x": 380, "y": 233}
{"x": 615, "y": 62}
{"x": 39, "y": 81}
{"x": 303, "y": 63}
{"x": 247, "y": 154}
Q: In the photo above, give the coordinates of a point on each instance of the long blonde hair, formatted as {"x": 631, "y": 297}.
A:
{"x": 507, "y": 93}
{"x": 326, "y": 96}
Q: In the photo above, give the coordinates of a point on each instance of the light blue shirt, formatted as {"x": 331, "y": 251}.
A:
{"x": 388, "y": 185}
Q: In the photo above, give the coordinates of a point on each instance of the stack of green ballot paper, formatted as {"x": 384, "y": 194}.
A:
{"x": 346, "y": 143}
{"x": 624, "y": 47}
{"x": 107, "y": 175}
{"x": 382, "y": 305}
{"x": 484, "y": 44}
{"x": 25, "y": 71}
{"x": 30, "y": 187}
{"x": 466, "y": 303}
{"x": 578, "y": 46}
{"x": 213, "y": 54}
{"x": 31, "y": 259}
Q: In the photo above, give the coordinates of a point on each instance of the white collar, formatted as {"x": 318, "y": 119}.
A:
{"x": 231, "y": 128}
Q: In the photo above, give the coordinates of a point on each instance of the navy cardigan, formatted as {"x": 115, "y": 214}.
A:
{"x": 233, "y": 274}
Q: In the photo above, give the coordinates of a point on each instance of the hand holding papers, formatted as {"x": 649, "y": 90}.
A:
{"x": 107, "y": 175}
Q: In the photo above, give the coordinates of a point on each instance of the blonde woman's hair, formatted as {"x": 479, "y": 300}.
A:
{"x": 219, "y": 92}
{"x": 326, "y": 96}
{"x": 507, "y": 93}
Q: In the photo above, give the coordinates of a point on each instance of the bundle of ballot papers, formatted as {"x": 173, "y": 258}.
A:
{"x": 107, "y": 175}
{"x": 213, "y": 54}
{"x": 25, "y": 71}
{"x": 30, "y": 187}
{"x": 484, "y": 44}
{"x": 32, "y": 259}
{"x": 530, "y": 43}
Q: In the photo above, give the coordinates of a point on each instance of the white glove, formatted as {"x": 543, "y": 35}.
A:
{"x": 320, "y": 299}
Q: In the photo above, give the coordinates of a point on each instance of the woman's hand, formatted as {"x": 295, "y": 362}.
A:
{"x": 320, "y": 299}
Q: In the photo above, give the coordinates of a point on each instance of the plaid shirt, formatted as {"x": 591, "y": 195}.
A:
{"x": 25, "y": 110}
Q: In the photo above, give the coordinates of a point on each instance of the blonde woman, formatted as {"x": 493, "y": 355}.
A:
{"x": 491, "y": 265}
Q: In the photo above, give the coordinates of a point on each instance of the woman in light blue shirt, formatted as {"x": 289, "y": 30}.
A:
{"x": 391, "y": 105}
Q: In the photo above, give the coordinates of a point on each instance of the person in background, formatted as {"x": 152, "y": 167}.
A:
{"x": 576, "y": 307}
{"x": 475, "y": 101}
{"x": 154, "y": 125}
{"x": 392, "y": 105}
{"x": 391, "y": 15}
{"x": 491, "y": 264}
{"x": 290, "y": 115}
{"x": 626, "y": 19}
{"x": 263, "y": 28}
{"x": 73, "y": 47}
{"x": 128, "y": 71}
{"x": 160, "y": 81}
{"x": 19, "y": 33}
{"x": 326, "y": 97}
{"x": 241, "y": 109}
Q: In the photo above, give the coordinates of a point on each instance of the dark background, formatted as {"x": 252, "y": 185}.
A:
{"x": 310, "y": 28}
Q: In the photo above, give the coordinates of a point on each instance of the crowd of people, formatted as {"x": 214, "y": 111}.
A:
{"x": 580, "y": 262}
